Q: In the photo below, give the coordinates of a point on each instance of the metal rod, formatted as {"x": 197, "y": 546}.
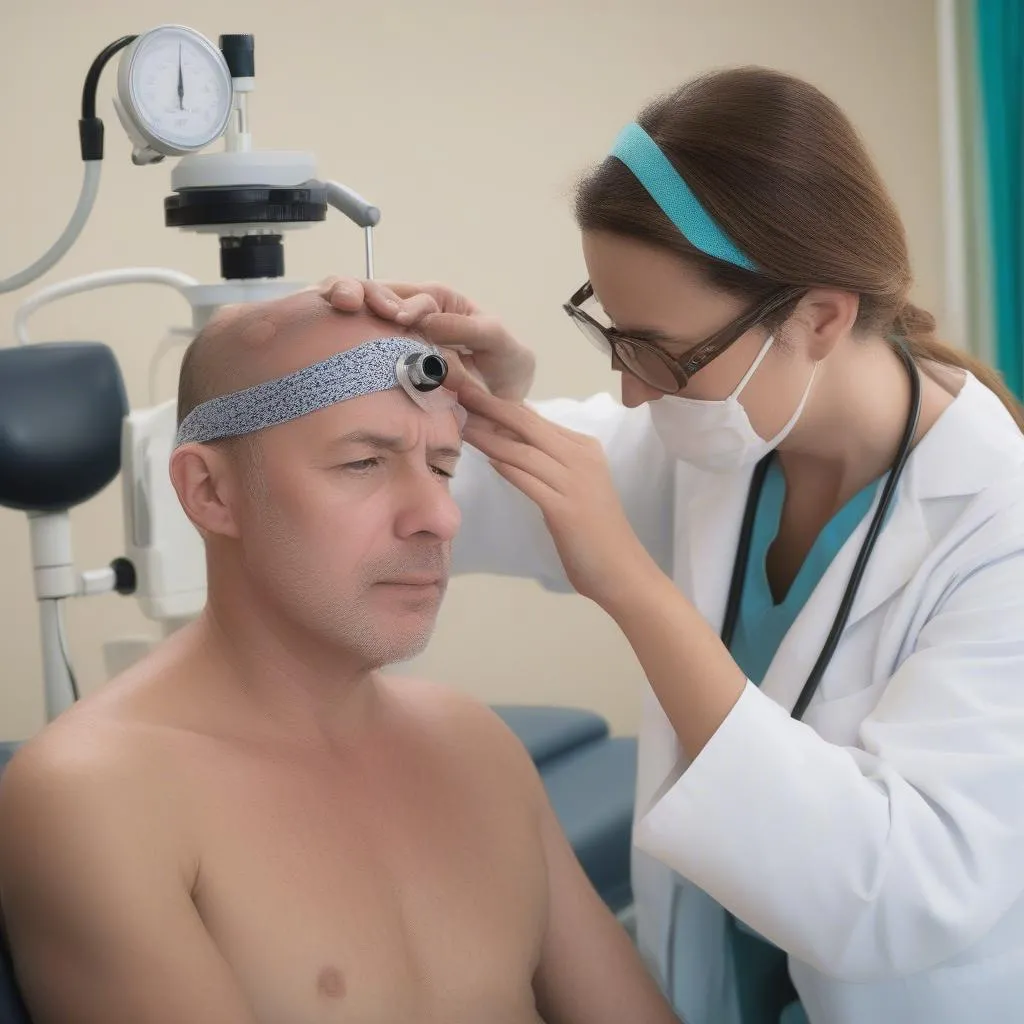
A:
{"x": 59, "y": 685}
{"x": 369, "y": 253}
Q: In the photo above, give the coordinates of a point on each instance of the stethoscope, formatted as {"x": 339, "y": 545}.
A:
{"x": 739, "y": 570}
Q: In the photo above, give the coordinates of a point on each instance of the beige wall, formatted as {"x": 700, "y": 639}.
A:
{"x": 466, "y": 121}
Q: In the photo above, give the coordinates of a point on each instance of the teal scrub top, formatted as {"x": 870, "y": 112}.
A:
{"x": 765, "y": 993}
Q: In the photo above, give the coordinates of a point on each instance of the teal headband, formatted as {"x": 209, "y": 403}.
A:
{"x": 640, "y": 153}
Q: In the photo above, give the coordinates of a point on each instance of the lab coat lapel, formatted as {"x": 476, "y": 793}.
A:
{"x": 898, "y": 553}
{"x": 961, "y": 454}
{"x": 711, "y": 507}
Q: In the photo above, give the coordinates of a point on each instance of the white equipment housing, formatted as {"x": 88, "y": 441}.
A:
{"x": 215, "y": 194}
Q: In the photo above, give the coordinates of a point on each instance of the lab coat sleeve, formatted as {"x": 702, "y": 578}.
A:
{"x": 502, "y": 531}
{"x": 891, "y": 857}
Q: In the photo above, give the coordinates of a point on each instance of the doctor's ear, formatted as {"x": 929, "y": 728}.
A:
{"x": 824, "y": 317}
{"x": 207, "y": 487}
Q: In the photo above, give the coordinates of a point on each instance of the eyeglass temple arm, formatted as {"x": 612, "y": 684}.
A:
{"x": 716, "y": 346}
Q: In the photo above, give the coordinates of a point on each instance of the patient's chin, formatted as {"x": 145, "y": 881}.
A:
{"x": 380, "y": 649}
{"x": 396, "y": 633}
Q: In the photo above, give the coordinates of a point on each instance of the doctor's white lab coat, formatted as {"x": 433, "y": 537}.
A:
{"x": 880, "y": 842}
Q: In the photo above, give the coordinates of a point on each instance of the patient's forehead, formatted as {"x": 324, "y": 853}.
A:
{"x": 387, "y": 414}
{"x": 254, "y": 343}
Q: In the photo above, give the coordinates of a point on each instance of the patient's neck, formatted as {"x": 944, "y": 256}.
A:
{"x": 309, "y": 688}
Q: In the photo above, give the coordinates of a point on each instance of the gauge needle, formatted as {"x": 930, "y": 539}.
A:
{"x": 181, "y": 83}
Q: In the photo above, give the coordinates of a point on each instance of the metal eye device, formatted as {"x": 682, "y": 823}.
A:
{"x": 422, "y": 373}
{"x": 66, "y": 430}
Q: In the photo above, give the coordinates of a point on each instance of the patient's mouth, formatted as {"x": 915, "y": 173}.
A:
{"x": 421, "y": 586}
{"x": 418, "y": 572}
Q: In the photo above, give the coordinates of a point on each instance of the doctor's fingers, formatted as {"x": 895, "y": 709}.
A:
{"x": 462, "y": 374}
{"x": 537, "y": 491}
{"x": 344, "y": 293}
{"x": 416, "y": 299}
{"x": 403, "y": 303}
{"x": 506, "y": 364}
{"x": 527, "y": 424}
{"x": 481, "y": 336}
{"x": 510, "y": 451}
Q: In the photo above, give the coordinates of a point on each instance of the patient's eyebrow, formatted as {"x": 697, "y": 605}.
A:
{"x": 390, "y": 443}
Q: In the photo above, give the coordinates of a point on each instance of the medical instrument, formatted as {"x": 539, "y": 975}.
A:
{"x": 163, "y": 66}
{"x": 423, "y": 372}
{"x": 733, "y": 602}
{"x": 176, "y": 94}
{"x": 372, "y": 366}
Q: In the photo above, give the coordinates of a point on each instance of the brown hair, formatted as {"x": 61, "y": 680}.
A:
{"x": 784, "y": 173}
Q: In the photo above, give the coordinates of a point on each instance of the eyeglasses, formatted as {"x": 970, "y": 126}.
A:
{"x": 654, "y": 366}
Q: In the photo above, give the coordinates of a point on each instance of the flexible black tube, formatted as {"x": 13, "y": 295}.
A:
{"x": 90, "y": 127}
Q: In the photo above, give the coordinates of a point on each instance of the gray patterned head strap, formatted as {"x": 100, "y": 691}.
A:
{"x": 359, "y": 371}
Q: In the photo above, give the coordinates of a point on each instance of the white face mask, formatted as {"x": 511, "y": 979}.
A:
{"x": 718, "y": 436}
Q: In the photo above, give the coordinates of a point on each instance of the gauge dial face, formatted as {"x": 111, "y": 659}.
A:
{"x": 179, "y": 88}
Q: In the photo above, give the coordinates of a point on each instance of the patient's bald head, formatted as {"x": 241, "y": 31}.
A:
{"x": 248, "y": 344}
{"x": 337, "y": 522}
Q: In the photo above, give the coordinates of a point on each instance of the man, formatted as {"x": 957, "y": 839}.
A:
{"x": 253, "y": 825}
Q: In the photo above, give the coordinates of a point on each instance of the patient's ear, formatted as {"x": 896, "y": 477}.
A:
{"x": 208, "y": 488}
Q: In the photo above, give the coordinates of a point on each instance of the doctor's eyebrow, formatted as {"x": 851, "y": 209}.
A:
{"x": 389, "y": 442}
{"x": 655, "y": 337}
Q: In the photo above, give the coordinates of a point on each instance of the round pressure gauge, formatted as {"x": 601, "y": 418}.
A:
{"x": 173, "y": 91}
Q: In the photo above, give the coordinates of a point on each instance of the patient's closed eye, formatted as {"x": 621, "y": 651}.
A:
{"x": 364, "y": 466}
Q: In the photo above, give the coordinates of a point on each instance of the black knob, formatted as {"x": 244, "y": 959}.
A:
{"x": 251, "y": 256}
{"x": 125, "y": 578}
{"x": 239, "y": 52}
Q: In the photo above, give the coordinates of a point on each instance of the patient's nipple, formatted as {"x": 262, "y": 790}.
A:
{"x": 331, "y": 983}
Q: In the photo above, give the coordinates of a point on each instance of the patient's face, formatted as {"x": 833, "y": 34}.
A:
{"x": 346, "y": 528}
{"x": 347, "y": 522}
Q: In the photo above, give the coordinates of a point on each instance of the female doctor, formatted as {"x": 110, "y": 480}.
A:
{"x": 807, "y": 518}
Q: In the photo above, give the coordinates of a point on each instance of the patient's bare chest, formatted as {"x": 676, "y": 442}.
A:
{"x": 413, "y": 894}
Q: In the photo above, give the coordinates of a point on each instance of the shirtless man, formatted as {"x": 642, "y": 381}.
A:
{"x": 254, "y": 824}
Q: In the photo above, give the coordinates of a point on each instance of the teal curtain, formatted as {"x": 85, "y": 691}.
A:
{"x": 999, "y": 42}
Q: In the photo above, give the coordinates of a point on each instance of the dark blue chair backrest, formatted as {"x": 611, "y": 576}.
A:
{"x": 12, "y": 1007}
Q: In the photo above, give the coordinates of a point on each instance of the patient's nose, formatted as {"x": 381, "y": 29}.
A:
{"x": 427, "y": 507}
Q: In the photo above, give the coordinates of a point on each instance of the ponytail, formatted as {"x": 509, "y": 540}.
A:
{"x": 916, "y": 327}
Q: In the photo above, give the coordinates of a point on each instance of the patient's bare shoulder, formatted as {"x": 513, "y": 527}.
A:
{"x": 93, "y": 818}
{"x": 98, "y": 756}
{"x": 96, "y": 759}
{"x": 468, "y": 729}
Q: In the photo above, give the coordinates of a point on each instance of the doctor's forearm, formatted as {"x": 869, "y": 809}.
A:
{"x": 692, "y": 674}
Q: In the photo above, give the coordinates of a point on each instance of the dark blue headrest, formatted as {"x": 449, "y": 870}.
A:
{"x": 61, "y": 409}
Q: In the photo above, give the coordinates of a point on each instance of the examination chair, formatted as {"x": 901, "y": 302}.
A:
{"x": 61, "y": 409}
{"x": 12, "y": 1009}
{"x": 590, "y": 779}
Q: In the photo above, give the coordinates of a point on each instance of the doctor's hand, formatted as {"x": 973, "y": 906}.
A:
{"x": 475, "y": 343}
{"x": 567, "y": 476}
